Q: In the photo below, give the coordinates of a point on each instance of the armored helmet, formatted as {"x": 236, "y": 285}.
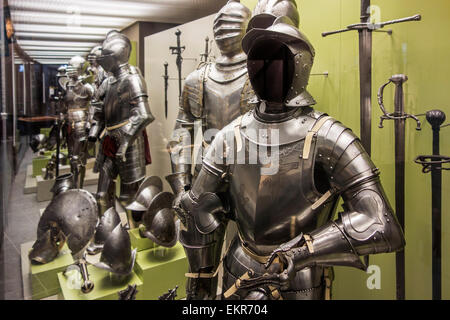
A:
{"x": 62, "y": 183}
{"x": 115, "y": 51}
{"x": 94, "y": 54}
{"x": 159, "y": 221}
{"x": 70, "y": 217}
{"x": 62, "y": 78}
{"x": 108, "y": 222}
{"x": 278, "y": 8}
{"x": 38, "y": 141}
{"x": 279, "y": 63}
{"x": 230, "y": 25}
{"x": 117, "y": 256}
{"x": 77, "y": 66}
{"x": 148, "y": 189}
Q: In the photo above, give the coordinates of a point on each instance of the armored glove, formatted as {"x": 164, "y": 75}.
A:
{"x": 180, "y": 207}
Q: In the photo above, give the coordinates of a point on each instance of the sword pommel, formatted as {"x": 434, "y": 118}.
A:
{"x": 436, "y": 118}
{"x": 399, "y": 78}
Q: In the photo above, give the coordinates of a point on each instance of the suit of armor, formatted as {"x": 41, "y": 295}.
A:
{"x": 77, "y": 102}
{"x": 283, "y": 166}
{"x": 122, "y": 109}
{"x": 216, "y": 94}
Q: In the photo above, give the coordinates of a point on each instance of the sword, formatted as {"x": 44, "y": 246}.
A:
{"x": 178, "y": 50}
{"x": 399, "y": 117}
{"x": 166, "y": 87}
{"x": 365, "y": 29}
{"x": 434, "y": 164}
{"x": 204, "y": 56}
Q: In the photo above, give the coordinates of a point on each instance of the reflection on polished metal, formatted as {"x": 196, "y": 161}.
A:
{"x": 278, "y": 8}
{"x": 117, "y": 256}
{"x": 285, "y": 216}
{"x": 216, "y": 93}
{"x": 365, "y": 29}
{"x": 122, "y": 109}
{"x": 149, "y": 188}
{"x": 107, "y": 224}
{"x": 434, "y": 163}
{"x": 77, "y": 100}
{"x": 399, "y": 116}
{"x": 70, "y": 217}
{"x": 159, "y": 221}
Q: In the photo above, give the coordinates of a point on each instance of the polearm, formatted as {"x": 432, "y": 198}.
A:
{"x": 58, "y": 136}
{"x": 434, "y": 164}
{"x": 399, "y": 117}
{"x": 178, "y": 50}
{"x": 166, "y": 87}
{"x": 365, "y": 29}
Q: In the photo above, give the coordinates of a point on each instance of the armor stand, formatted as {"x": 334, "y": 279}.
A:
{"x": 399, "y": 116}
{"x": 434, "y": 164}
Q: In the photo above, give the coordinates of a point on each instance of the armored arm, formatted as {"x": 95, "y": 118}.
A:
{"x": 367, "y": 225}
{"x": 181, "y": 145}
{"x": 96, "y": 113}
{"x": 140, "y": 114}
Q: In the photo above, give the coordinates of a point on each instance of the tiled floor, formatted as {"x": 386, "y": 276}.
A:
{"x": 21, "y": 223}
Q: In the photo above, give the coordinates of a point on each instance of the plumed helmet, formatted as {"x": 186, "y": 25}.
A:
{"x": 62, "y": 183}
{"x": 279, "y": 63}
{"x": 77, "y": 66}
{"x": 278, "y": 8}
{"x": 117, "y": 256}
{"x": 116, "y": 51}
{"x": 230, "y": 25}
{"x": 148, "y": 189}
{"x": 159, "y": 221}
{"x": 70, "y": 217}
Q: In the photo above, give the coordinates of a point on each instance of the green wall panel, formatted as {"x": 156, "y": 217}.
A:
{"x": 420, "y": 50}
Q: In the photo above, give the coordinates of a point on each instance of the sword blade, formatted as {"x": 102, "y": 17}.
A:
{"x": 365, "y": 84}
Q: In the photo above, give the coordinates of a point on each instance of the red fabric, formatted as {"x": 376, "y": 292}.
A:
{"x": 148, "y": 157}
{"x": 109, "y": 147}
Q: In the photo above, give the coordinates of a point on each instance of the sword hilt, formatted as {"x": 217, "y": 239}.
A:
{"x": 432, "y": 162}
{"x": 398, "y": 80}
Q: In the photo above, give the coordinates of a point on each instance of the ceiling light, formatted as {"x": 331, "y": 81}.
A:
{"x": 19, "y": 27}
{"x": 39, "y": 35}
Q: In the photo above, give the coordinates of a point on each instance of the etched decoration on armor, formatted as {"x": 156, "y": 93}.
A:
{"x": 122, "y": 112}
{"x": 288, "y": 237}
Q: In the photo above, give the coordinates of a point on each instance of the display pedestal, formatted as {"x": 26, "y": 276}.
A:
{"x": 40, "y": 162}
{"x": 44, "y": 279}
{"x": 162, "y": 269}
{"x": 30, "y": 181}
{"x": 105, "y": 287}
{"x": 139, "y": 243}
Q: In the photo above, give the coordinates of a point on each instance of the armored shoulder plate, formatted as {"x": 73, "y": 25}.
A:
{"x": 192, "y": 102}
{"x": 132, "y": 87}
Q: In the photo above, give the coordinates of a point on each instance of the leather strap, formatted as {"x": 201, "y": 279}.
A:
{"x": 117, "y": 126}
{"x": 236, "y": 285}
{"x": 311, "y": 134}
{"x": 322, "y": 200}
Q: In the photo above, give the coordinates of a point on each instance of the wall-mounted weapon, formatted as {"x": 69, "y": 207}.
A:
{"x": 365, "y": 29}
{"x": 166, "y": 88}
{"x": 399, "y": 117}
{"x": 204, "y": 57}
{"x": 434, "y": 164}
{"x": 178, "y": 51}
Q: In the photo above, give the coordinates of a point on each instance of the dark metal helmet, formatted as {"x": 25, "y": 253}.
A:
{"x": 108, "y": 222}
{"x": 117, "y": 256}
{"x": 278, "y": 8}
{"x": 279, "y": 63}
{"x": 230, "y": 25}
{"x": 159, "y": 221}
{"x": 70, "y": 217}
{"x": 116, "y": 51}
{"x": 148, "y": 189}
{"x": 62, "y": 183}
{"x": 38, "y": 142}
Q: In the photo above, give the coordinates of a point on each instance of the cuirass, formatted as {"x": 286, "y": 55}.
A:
{"x": 222, "y": 101}
{"x": 117, "y": 101}
{"x": 77, "y": 101}
{"x": 272, "y": 208}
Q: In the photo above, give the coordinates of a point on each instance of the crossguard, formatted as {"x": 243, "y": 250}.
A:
{"x": 432, "y": 162}
{"x": 397, "y": 80}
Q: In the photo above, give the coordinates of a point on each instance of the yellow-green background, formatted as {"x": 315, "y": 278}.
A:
{"x": 421, "y": 51}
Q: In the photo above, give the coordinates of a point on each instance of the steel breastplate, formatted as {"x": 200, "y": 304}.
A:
{"x": 274, "y": 208}
{"x": 222, "y": 102}
{"x": 117, "y": 102}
